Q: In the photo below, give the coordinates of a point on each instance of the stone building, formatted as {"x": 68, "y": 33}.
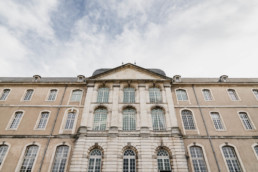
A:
{"x": 128, "y": 119}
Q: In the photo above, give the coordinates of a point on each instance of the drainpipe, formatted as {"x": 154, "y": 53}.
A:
{"x": 52, "y": 130}
{"x": 206, "y": 129}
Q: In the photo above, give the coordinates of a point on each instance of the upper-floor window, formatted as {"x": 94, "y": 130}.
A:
{"x": 198, "y": 160}
{"x": 76, "y": 96}
{"x": 217, "y": 121}
{"x": 103, "y": 95}
{"x": 129, "y": 119}
{"x": 255, "y": 91}
{"x": 207, "y": 94}
{"x": 95, "y": 161}
{"x": 245, "y": 120}
{"x": 43, "y": 120}
{"x": 5, "y": 94}
{"x": 129, "y": 164}
{"x": 60, "y": 159}
{"x": 52, "y": 95}
{"x": 28, "y": 95}
{"x": 129, "y": 95}
{"x": 16, "y": 120}
{"x": 233, "y": 95}
{"x": 188, "y": 120}
{"x": 100, "y": 119}
{"x": 29, "y": 158}
{"x": 158, "y": 119}
{"x": 155, "y": 95}
{"x": 163, "y": 160}
{"x": 181, "y": 95}
{"x": 70, "y": 120}
{"x": 3, "y": 150}
{"x": 256, "y": 150}
{"x": 231, "y": 158}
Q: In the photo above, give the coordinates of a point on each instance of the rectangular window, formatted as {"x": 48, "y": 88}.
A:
{"x": 155, "y": 95}
{"x": 28, "y": 95}
{"x": 217, "y": 121}
{"x": 181, "y": 95}
{"x": 233, "y": 95}
{"x": 188, "y": 120}
{"x": 246, "y": 121}
{"x": 207, "y": 95}
{"x": 5, "y": 94}
{"x": 43, "y": 120}
{"x": 16, "y": 120}
{"x": 76, "y": 96}
{"x": 103, "y": 95}
{"x": 129, "y": 95}
{"x": 52, "y": 95}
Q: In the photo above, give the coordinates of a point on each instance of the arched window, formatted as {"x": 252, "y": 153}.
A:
{"x": 233, "y": 95}
{"x": 163, "y": 160}
{"x": 29, "y": 158}
{"x": 232, "y": 161}
{"x": 61, "y": 157}
{"x": 103, "y": 94}
{"x": 207, "y": 94}
{"x": 158, "y": 119}
{"x": 5, "y": 94}
{"x": 129, "y": 119}
{"x": 95, "y": 161}
{"x": 245, "y": 120}
{"x": 28, "y": 95}
{"x": 52, "y": 95}
{"x": 76, "y": 96}
{"x": 181, "y": 95}
{"x": 43, "y": 120}
{"x": 100, "y": 119}
{"x": 16, "y": 120}
{"x": 129, "y": 164}
{"x": 3, "y": 150}
{"x": 129, "y": 95}
{"x": 217, "y": 121}
{"x": 70, "y": 120}
{"x": 198, "y": 160}
{"x": 188, "y": 120}
{"x": 155, "y": 95}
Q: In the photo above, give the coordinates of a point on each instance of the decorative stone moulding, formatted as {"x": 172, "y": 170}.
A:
{"x": 223, "y": 78}
{"x": 36, "y": 78}
{"x": 80, "y": 78}
{"x": 177, "y": 78}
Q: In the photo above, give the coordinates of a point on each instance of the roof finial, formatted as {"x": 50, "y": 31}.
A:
{"x": 134, "y": 62}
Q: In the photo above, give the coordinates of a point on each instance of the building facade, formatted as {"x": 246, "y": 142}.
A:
{"x": 128, "y": 119}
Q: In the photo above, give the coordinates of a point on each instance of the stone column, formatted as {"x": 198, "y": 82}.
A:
{"x": 114, "y": 114}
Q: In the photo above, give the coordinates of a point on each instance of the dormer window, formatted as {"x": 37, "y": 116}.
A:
{"x": 80, "y": 78}
{"x": 177, "y": 78}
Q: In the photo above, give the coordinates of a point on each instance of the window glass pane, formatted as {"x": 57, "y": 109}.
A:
{"x": 155, "y": 95}
{"x": 231, "y": 159}
{"x": 76, "y": 96}
{"x": 5, "y": 94}
{"x": 217, "y": 121}
{"x": 52, "y": 95}
{"x": 129, "y": 119}
{"x": 246, "y": 121}
{"x": 100, "y": 118}
{"x": 43, "y": 120}
{"x": 188, "y": 120}
{"x": 198, "y": 159}
{"x": 95, "y": 161}
{"x": 28, "y": 94}
{"x": 29, "y": 158}
{"x": 16, "y": 120}
{"x": 207, "y": 95}
{"x": 181, "y": 95}
{"x": 103, "y": 95}
{"x": 3, "y": 150}
{"x": 129, "y": 95}
{"x": 233, "y": 95}
{"x": 163, "y": 160}
{"x": 60, "y": 159}
{"x": 158, "y": 119}
{"x": 70, "y": 120}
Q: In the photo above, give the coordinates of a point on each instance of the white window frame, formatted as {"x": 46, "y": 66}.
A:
{"x": 130, "y": 126}
{"x": 25, "y": 93}
{"x": 62, "y": 127}
{"x": 2, "y": 92}
{"x": 250, "y": 121}
{"x": 103, "y": 97}
{"x": 156, "y": 98}
{"x": 237, "y": 154}
{"x": 221, "y": 121}
{"x": 98, "y": 123}
{"x": 129, "y": 157}
{"x": 49, "y": 92}
{"x": 38, "y": 120}
{"x": 6, "y": 153}
{"x": 195, "y": 122}
{"x": 12, "y": 118}
{"x": 255, "y": 153}
{"x": 181, "y": 95}
{"x": 236, "y": 94}
{"x": 193, "y": 119}
{"x": 211, "y": 95}
{"x": 71, "y": 95}
{"x": 256, "y": 96}
{"x": 130, "y": 98}
{"x": 163, "y": 158}
{"x": 95, "y": 157}
{"x": 163, "y": 115}
{"x": 18, "y": 167}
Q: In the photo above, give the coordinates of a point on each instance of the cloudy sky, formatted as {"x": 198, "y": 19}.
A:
{"x": 192, "y": 38}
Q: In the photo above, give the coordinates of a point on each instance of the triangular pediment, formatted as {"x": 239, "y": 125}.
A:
{"x": 128, "y": 71}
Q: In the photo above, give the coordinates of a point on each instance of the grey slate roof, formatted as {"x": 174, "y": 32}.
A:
{"x": 43, "y": 79}
{"x": 99, "y": 71}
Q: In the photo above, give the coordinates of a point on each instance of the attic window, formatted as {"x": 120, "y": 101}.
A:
{"x": 177, "y": 78}
{"x": 223, "y": 78}
{"x": 80, "y": 78}
{"x": 36, "y": 77}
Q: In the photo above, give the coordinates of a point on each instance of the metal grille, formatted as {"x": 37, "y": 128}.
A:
{"x": 52, "y": 95}
{"x": 255, "y": 94}
{"x": 233, "y": 95}
{"x": 246, "y": 121}
{"x": 231, "y": 159}
{"x": 28, "y": 95}
{"x": 207, "y": 94}
{"x": 43, "y": 120}
{"x": 129, "y": 95}
{"x": 155, "y": 95}
{"x": 163, "y": 160}
{"x": 181, "y": 95}
{"x": 5, "y": 94}
{"x": 129, "y": 119}
{"x": 29, "y": 158}
{"x": 3, "y": 150}
{"x": 76, "y": 96}
{"x": 16, "y": 120}
{"x": 100, "y": 119}
{"x": 129, "y": 164}
{"x": 70, "y": 120}
{"x": 198, "y": 159}
{"x": 217, "y": 121}
{"x": 103, "y": 95}
{"x": 158, "y": 119}
{"x": 95, "y": 161}
{"x": 188, "y": 121}
{"x": 60, "y": 159}
{"x": 256, "y": 150}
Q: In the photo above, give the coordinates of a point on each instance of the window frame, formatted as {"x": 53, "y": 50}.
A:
{"x": 94, "y": 158}
{"x": 250, "y": 121}
{"x": 194, "y": 121}
{"x": 103, "y": 98}
{"x": 71, "y": 95}
{"x": 54, "y": 154}
{"x": 211, "y": 95}
{"x": 162, "y": 157}
{"x": 6, "y": 153}
{"x": 62, "y": 127}
{"x": 221, "y": 121}
{"x": 130, "y": 94}
{"x": 49, "y": 92}
{"x": 181, "y": 96}
{"x": 130, "y": 158}
{"x": 38, "y": 120}
{"x": 129, "y": 123}
{"x": 98, "y": 124}
{"x": 253, "y": 147}
{"x": 156, "y": 101}
{"x": 256, "y": 96}
{"x": 235, "y": 94}
{"x": 12, "y": 118}
{"x": 25, "y": 93}
{"x": 160, "y": 116}
{"x": 2, "y": 93}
